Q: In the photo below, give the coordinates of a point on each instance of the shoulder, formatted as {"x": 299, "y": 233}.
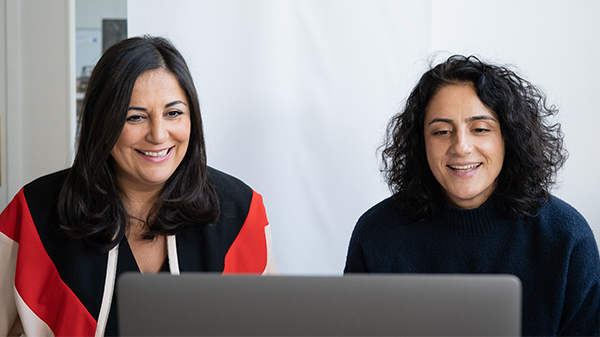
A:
{"x": 378, "y": 238}
{"x": 561, "y": 219}
{"x": 228, "y": 186}
{"x": 240, "y": 231}
{"x": 236, "y": 198}
{"x": 570, "y": 244}
{"x": 42, "y": 193}
{"x": 47, "y": 183}
{"x": 384, "y": 214}
{"x": 35, "y": 205}
{"x": 561, "y": 227}
{"x": 383, "y": 211}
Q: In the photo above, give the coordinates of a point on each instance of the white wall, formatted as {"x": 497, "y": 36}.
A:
{"x": 3, "y": 105}
{"x": 296, "y": 94}
{"x": 37, "y": 125}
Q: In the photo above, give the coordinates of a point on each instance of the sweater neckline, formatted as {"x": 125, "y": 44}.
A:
{"x": 473, "y": 222}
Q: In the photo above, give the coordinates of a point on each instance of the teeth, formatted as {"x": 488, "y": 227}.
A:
{"x": 464, "y": 167}
{"x": 155, "y": 154}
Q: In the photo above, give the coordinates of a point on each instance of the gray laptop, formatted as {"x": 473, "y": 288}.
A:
{"x": 196, "y": 304}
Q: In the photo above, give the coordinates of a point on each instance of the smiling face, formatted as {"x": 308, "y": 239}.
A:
{"x": 464, "y": 145}
{"x": 156, "y": 133}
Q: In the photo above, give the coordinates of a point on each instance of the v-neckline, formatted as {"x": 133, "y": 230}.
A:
{"x": 127, "y": 260}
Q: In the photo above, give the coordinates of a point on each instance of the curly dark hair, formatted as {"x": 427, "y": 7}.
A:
{"x": 534, "y": 146}
{"x": 89, "y": 204}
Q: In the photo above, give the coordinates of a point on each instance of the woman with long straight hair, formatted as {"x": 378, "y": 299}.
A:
{"x": 139, "y": 197}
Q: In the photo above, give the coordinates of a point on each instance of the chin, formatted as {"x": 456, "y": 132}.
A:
{"x": 156, "y": 180}
{"x": 463, "y": 197}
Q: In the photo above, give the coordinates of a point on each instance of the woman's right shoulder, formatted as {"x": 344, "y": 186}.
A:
{"x": 386, "y": 212}
{"x": 46, "y": 186}
{"x": 51, "y": 179}
{"x": 37, "y": 199}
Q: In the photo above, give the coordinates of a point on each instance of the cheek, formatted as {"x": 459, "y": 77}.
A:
{"x": 184, "y": 134}
{"x": 495, "y": 151}
{"x": 126, "y": 141}
{"x": 118, "y": 156}
{"x": 118, "y": 148}
{"x": 183, "y": 131}
{"x": 127, "y": 137}
{"x": 434, "y": 153}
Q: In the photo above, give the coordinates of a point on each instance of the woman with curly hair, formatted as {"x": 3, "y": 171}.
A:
{"x": 470, "y": 162}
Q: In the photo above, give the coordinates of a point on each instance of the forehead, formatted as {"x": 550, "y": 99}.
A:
{"x": 456, "y": 102}
{"x": 156, "y": 84}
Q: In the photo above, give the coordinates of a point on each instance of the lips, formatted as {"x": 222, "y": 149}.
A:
{"x": 464, "y": 168}
{"x": 155, "y": 154}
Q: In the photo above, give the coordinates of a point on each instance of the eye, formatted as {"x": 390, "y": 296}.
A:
{"x": 441, "y": 132}
{"x": 480, "y": 130}
{"x": 134, "y": 118}
{"x": 174, "y": 113}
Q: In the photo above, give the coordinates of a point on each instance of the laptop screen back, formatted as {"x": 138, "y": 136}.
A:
{"x": 365, "y": 305}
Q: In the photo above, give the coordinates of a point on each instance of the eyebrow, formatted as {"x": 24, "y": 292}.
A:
{"x": 468, "y": 120}
{"x": 168, "y": 105}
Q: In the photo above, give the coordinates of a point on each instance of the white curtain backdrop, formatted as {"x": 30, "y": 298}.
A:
{"x": 295, "y": 94}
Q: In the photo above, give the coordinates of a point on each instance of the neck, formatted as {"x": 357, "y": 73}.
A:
{"x": 138, "y": 202}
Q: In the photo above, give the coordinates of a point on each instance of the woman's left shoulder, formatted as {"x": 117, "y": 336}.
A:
{"x": 560, "y": 209}
{"x": 564, "y": 218}
{"x": 231, "y": 190}
{"x": 226, "y": 182}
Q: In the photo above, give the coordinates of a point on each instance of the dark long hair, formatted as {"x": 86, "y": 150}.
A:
{"x": 89, "y": 204}
{"x": 534, "y": 146}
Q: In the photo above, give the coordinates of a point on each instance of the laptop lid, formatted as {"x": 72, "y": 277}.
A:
{"x": 366, "y": 305}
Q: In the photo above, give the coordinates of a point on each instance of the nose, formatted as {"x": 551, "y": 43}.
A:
{"x": 462, "y": 143}
{"x": 158, "y": 132}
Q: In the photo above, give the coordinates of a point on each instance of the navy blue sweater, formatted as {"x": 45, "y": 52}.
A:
{"x": 554, "y": 254}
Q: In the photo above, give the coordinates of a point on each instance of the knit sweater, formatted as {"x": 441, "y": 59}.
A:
{"x": 554, "y": 254}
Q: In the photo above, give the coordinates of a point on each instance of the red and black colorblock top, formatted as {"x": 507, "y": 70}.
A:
{"x": 51, "y": 283}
